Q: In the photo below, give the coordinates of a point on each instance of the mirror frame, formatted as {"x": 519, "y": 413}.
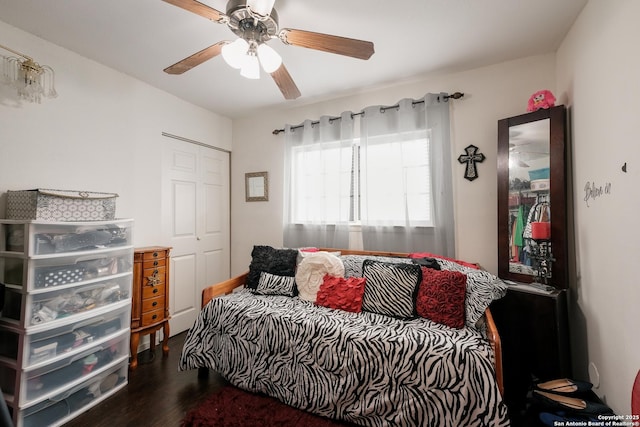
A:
{"x": 557, "y": 193}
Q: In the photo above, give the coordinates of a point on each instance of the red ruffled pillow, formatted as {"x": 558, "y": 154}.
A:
{"x": 342, "y": 294}
{"x": 441, "y": 297}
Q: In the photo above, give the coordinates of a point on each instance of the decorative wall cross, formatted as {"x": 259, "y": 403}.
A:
{"x": 472, "y": 156}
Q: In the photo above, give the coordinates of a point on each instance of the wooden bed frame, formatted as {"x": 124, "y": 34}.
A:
{"x": 227, "y": 286}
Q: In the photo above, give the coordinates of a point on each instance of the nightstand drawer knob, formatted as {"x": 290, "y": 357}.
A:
{"x": 154, "y": 317}
{"x": 155, "y": 254}
{"x": 155, "y": 290}
{"x": 154, "y": 303}
{"x": 155, "y": 263}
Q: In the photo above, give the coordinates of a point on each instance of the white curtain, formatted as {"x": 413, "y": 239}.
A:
{"x": 405, "y": 155}
{"x": 318, "y": 157}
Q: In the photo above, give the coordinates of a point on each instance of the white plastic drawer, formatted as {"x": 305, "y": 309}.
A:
{"x": 41, "y": 273}
{"x": 72, "y": 337}
{"x": 41, "y": 308}
{"x": 13, "y": 270}
{"x": 60, "y": 408}
{"x": 53, "y": 378}
{"x": 41, "y": 237}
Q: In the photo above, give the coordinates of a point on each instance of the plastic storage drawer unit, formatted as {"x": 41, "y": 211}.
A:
{"x": 65, "y": 323}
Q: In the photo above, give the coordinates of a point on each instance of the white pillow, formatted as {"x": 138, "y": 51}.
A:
{"x": 311, "y": 272}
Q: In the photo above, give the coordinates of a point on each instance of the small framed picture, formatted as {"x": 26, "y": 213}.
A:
{"x": 256, "y": 186}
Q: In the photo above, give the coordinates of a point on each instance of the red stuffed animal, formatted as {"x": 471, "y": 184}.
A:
{"x": 541, "y": 99}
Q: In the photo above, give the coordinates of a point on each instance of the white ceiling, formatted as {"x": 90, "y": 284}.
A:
{"x": 411, "y": 37}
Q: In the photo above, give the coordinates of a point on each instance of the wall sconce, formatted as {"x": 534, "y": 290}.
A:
{"x": 32, "y": 80}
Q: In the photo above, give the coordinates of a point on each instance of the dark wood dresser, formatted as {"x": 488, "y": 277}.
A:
{"x": 534, "y": 331}
{"x": 150, "y": 298}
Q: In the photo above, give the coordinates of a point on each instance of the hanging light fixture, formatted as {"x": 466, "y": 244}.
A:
{"x": 249, "y": 56}
{"x": 32, "y": 80}
{"x": 234, "y": 53}
{"x": 252, "y": 21}
{"x": 250, "y": 66}
{"x": 269, "y": 58}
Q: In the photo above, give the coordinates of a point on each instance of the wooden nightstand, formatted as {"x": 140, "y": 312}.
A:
{"x": 150, "y": 298}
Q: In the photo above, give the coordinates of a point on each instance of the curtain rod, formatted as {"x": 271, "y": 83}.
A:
{"x": 455, "y": 95}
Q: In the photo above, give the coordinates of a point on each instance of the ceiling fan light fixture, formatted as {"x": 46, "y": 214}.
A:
{"x": 234, "y": 53}
{"x": 260, "y": 9}
{"x": 269, "y": 58}
{"x": 250, "y": 67}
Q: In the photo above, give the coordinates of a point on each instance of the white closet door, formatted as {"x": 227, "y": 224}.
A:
{"x": 196, "y": 222}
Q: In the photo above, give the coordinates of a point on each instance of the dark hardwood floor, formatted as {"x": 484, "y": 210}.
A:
{"x": 157, "y": 394}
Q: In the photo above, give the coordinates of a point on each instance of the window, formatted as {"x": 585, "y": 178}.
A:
{"x": 327, "y": 182}
{"x": 386, "y": 169}
{"x": 320, "y": 176}
{"x": 398, "y": 179}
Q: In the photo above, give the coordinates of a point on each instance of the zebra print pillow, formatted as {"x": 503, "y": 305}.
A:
{"x": 482, "y": 289}
{"x": 270, "y": 284}
{"x": 390, "y": 288}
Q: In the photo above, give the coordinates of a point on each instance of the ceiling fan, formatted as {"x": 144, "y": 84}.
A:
{"x": 255, "y": 22}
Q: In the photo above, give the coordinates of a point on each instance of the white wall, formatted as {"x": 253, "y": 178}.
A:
{"x": 598, "y": 77}
{"x": 491, "y": 93}
{"x": 103, "y": 133}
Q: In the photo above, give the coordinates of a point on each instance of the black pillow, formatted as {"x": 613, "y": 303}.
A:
{"x": 280, "y": 262}
{"x": 427, "y": 262}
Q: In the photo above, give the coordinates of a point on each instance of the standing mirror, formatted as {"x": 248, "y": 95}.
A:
{"x": 532, "y": 199}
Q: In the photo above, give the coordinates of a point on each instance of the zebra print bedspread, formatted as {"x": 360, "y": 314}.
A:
{"x": 365, "y": 368}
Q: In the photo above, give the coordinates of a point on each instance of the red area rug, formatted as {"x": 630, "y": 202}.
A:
{"x": 231, "y": 407}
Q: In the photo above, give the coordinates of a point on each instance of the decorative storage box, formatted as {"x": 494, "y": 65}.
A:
{"x": 540, "y": 185}
{"x": 61, "y": 205}
{"x": 519, "y": 199}
{"x": 539, "y": 174}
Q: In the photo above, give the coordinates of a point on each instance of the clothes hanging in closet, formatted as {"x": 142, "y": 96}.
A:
{"x": 540, "y": 212}
{"x": 517, "y": 242}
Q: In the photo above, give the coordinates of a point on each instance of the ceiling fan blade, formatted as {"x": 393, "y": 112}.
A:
{"x": 199, "y": 9}
{"x": 286, "y": 84}
{"x": 360, "y": 49}
{"x": 195, "y": 59}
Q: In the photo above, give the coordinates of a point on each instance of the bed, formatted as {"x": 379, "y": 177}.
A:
{"x": 366, "y": 368}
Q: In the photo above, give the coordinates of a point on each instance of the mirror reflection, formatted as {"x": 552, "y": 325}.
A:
{"x": 529, "y": 201}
